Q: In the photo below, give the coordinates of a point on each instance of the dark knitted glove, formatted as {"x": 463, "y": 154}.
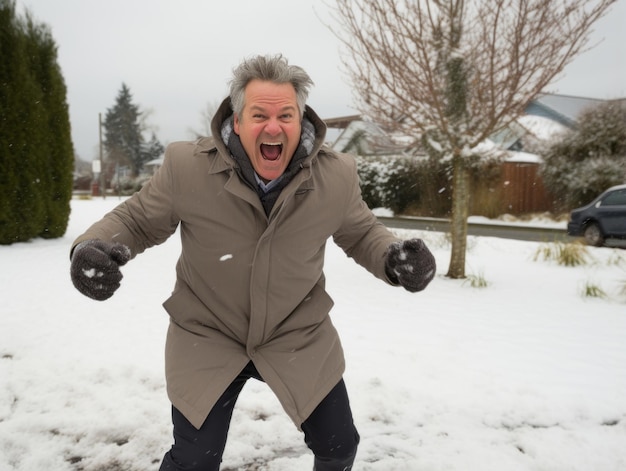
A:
{"x": 410, "y": 264}
{"x": 95, "y": 267}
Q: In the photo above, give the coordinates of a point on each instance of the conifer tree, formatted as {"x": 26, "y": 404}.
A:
{"x": 36, "y": 152}
{"x": 153, "y": 149}
{"x": 123, "y": 141}
{"x": 12, "y": 73}
{"x": 56, "y": 154}
{"x": 19, "y": 209}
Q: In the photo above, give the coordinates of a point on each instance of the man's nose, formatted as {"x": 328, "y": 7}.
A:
{"x": 272, "y": 127}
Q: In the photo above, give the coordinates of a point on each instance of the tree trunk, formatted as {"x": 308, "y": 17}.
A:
{"x": 458, "y": 227}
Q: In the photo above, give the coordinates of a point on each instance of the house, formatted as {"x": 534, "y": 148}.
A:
{"x": 562, "y": 109}
{"x": 545, "y": 118}
{"x": 367, "y": 138}
{"x": 151, "y": 166}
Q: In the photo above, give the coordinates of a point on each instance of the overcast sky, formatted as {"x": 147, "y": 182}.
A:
{"x": 177, "y": 56}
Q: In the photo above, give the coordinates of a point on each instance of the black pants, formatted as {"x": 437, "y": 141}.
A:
{"x": 329, "y": 432}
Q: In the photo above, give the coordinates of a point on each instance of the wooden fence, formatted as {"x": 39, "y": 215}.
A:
{"x": 522, "y": 190}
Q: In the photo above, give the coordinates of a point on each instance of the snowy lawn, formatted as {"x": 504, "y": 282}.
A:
{"x": 524, "y": 374}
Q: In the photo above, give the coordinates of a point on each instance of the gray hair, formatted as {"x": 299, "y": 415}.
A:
{"x": 274, "y": 69}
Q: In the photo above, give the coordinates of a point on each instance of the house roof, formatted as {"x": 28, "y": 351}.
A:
{"x": 564, "y": 109}
{"x": 154, "y": 162}
{"x": 541, "y": 127}
{"x": 367, "y": 138}
{"x": 341, "y": 122}
{"x": 546, "y": 116}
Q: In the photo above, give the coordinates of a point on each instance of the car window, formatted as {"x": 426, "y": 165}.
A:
{"x": 615, "y": 198}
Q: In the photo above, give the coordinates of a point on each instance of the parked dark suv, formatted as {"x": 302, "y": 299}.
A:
{"x": 603, "y": 218}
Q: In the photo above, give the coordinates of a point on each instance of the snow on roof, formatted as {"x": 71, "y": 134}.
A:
{"x": 541, "y": 127}
{"x": 522, "y": 157}
{"x": 158, "y": 161}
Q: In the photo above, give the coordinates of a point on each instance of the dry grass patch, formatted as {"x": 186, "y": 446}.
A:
{"x": 569, "y": 255}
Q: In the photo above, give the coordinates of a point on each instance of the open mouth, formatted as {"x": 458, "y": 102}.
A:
{"x": 271, "y": 151}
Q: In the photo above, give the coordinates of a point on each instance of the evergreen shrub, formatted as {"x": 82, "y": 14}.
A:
{"x": 36, "y": 152}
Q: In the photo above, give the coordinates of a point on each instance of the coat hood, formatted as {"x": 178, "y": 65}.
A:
{"x": 225, "y": 111}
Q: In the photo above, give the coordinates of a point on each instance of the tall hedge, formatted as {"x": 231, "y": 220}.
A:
{"x": 36, "y": 152}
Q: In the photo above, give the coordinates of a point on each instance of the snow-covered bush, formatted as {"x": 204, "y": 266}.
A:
{"x": 589, "y": 159}
{"x": 373, "y": 175}
{"x": 421, "y": 186}
{"x": 401, "y": 183}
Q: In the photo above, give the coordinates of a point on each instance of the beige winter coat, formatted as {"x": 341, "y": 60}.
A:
{"x": 250, "y": 287}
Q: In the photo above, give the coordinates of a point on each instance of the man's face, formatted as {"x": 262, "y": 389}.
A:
{"x": 269, "y": 126}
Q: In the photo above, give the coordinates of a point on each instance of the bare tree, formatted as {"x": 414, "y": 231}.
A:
{"x": 206, "y": 115}
{"x": 453, "y": 72}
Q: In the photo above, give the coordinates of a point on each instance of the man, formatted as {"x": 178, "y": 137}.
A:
{"x": 255, "y": 205}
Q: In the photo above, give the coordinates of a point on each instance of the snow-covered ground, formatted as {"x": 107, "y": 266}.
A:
{"x": 525, "y": 374}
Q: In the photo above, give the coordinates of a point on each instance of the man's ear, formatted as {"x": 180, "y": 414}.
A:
{"x": 236, "y": 123}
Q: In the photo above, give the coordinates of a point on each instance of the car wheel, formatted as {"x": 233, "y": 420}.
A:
{"x": 593, "y": 235}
